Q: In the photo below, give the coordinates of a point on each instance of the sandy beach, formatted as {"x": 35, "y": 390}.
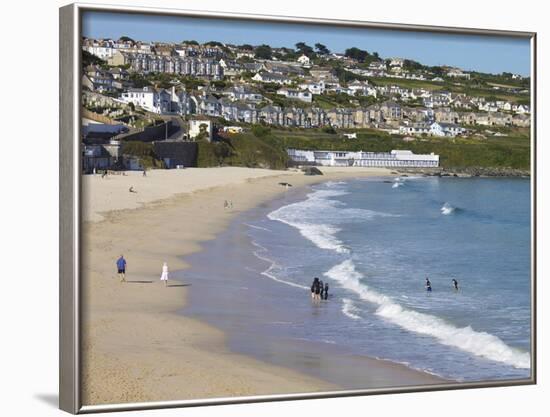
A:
{"x": 134, "y": 346}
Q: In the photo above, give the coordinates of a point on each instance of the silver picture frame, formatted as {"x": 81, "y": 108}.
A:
{"x": 70, "y": 206}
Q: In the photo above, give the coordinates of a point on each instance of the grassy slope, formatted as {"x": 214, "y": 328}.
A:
{"x": 448, "y": 86}
{"x": 269, "y": 151}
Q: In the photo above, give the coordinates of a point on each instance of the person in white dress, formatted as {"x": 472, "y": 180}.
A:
{"x": 164, "y": 275}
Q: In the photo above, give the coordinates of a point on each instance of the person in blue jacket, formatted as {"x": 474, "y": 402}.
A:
{"x": 121, "y": 267}
{"x": 428, "y": 285}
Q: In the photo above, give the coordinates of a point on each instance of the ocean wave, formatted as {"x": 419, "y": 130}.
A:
{"x": 317, "y": 217}
{"x": 397, "y": 184}
{"x": 467, "y": 339}
{"x": 331, "y": 184}
{"x": 447, "y": 209}
{"x": 273, "y": 265}
{"x": 350, "y": 310}
{"x": 257, "y": 227}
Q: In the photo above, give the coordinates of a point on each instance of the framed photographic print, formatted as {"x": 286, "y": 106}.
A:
{"x": 258, "y": 208}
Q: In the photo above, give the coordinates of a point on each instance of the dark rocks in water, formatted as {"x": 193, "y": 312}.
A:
{"x": 312, "y": 171}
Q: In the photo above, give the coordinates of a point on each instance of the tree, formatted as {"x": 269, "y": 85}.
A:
{"x": 215, "y": 43}
{"x": 90, "y": 59}
{"x": 409, "y": 64}
{"x": 357, "y": 54}
{"x": 126, "y": 39}
{"x": 222, "y": 151}
{"x": 203, "y": 128}
{"x": 138, "y": 80}
{"x": 191, "y": 42}
{"x": 260, "y": 131}
{"x": 303, "y": 48}
{"x": 322, "y": 49}
{"x": 437, "y": 70}
{"x": 263, "y": 52}
{"x": 246, "y": 47}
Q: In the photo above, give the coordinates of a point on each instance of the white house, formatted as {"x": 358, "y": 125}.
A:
{"x": 521, "y": 109}
{"x": 397, "y": 62}
{"x": 243, "y": 92}
{"x": 155, "y": 101}
{"x": 488, "y": 106}
{"x": 446, "y": 129}
{"x": 304, "y": 60}
{"x": 269, "y": 77}
{"x": 103, "y": 49}
{"x": 458, "y": 73}
{"x": 313, "y": 86}
{"x": 414, "y": 129}
{"x": 302, "y": 95}
{"x": 198, "y": 126}
{"x": 378, "y": 66}
{"x": 361, "y": 88}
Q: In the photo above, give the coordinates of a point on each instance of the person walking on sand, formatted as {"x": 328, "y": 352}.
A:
{"x": 121, "y": 267}
{"x": 164, "y": 275}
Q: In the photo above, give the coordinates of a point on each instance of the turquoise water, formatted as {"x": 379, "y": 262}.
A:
{"x": 374, "y": 241}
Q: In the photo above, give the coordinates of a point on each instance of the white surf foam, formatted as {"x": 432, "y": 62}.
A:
{"x": 273, "y": 265}
{"x": 317, "y": 216}
{"x": 350, "y": 310}
{"x": 447, "y": 209}
{"x": 257, "y": 227}
{"x": 467, "y": 339}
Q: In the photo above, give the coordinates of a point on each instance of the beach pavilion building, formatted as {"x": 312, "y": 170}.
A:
{"x": 393, "y": 159}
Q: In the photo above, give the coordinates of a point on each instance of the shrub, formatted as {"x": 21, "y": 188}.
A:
{"x": 260, "y": 131}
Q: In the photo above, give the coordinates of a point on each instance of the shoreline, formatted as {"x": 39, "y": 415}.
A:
{"x": 136, "y": 347}
{"x": 229, "y": 269}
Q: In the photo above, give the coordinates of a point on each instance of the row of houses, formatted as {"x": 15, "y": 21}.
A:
{"x": 95, "y": 78}
{"x": 107, "y": 48}
{"x": 448, "y": 115}
{"x": 432, "y": 129}
{"x": 146, "y": 63}
{"x": 241, "y": 104}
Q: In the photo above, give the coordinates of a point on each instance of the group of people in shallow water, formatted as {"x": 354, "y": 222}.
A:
{"x": 319, "y": 291}
{"x": 429, "y": 284}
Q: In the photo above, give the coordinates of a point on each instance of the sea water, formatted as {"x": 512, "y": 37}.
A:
{"x": 375, "y": 241}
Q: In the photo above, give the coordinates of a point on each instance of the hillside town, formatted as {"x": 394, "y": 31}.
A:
{"x": 185, "y": 91}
